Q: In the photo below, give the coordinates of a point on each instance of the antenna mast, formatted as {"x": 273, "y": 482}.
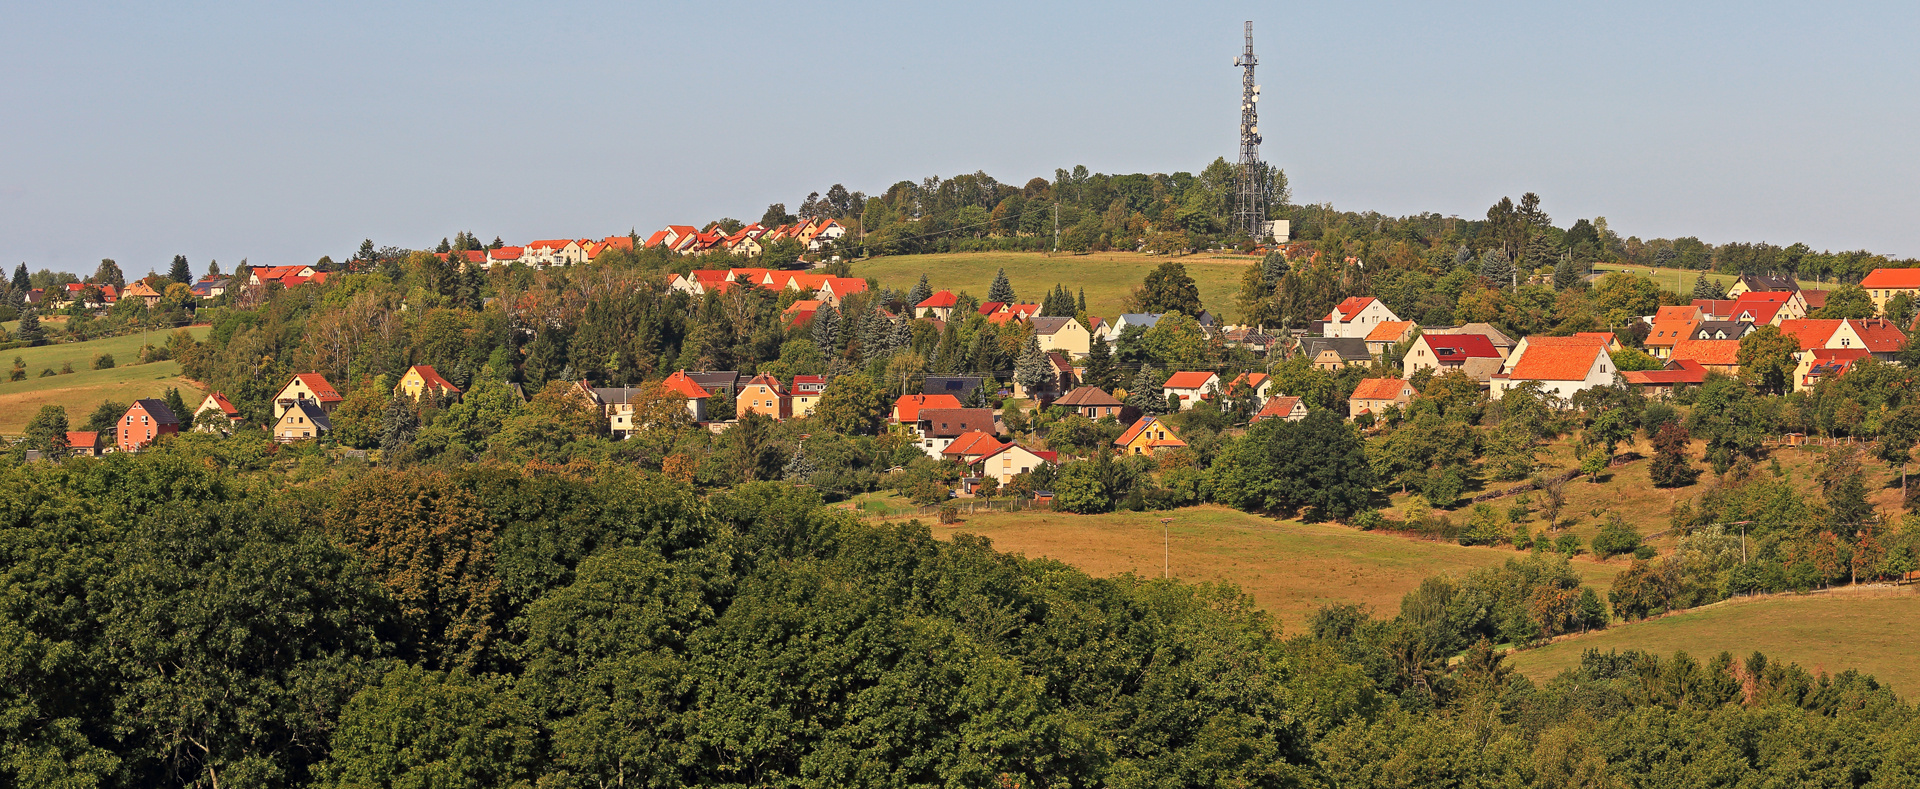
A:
{"x": 1250, "y": 196}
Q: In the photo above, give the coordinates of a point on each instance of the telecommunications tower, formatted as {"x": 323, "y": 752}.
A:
{"x": 1250, "y": 195}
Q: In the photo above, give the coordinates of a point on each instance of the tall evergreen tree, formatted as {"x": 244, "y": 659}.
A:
{"x": 29, "y": 330}
{"x": 1144, "y": 393}
{"x": 180, "y": 272}
{"x": 1540, "y": 254}
{"x": 1080, "y": 307}
{"x": 1033, "y": 371}
{"x": 397, "y": 426}
{"x": 109, "y": 273}
{"x": 22, "y": 281}
{"x": 1496, "y": 268}
{"x": 921, "y": 292}
{"x": 1565, "y": 274}
{"x": 1704, "y": 288}
{"x": 1462, "y": 257}
{"x": 1273, "y": 267}
{"x": 826, "y": 329}
{"x": 1001, "y": 290}
{"x": 1101, "y": 371}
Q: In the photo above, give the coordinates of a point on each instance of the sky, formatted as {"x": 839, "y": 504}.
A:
{"x": 281, "y": 131}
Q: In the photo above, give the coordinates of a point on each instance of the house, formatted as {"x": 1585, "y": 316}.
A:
{"x": 1769, "y": 308}
{"x": 906, "y": 409}
{"x": 1442, "y": 352}
{"x": 807, "y": 391}
{"x": 144, "y": 423}
{"x": 970, "y": 446}
{"x": 217, "y": 403}
{"x": 1716, "y": 355}
{"x": 1663, "y": 382}
{"x": 1720, "y": 330}
{"x": 1191, "y": 387}
{"x": 1816, "y": 299}
{"x": 938, "y": 305}
{"x": 1119, "y": 325}
{"x": 1822, "y": 363}
{"x": 724, "y": 383}
{"x": 1481, "y": 370}
{"x": 210, "y": 288}
{"x": 304, "y": 421}
{"x": 1356, "y": 318}
{"x": 139, "y": 289}
{"x": 799, "y": 312}
{"x": 1333, "y": 353}
{"x": 1883, "y": 284}
{"x": 618, "y": 404}
{"x": 683, "y": 385}
{"x": 1292, "y": 409}
{"x": 1065, "y": 335}
{"x": 1669, "y": 326}
{"x": 1599, "y": 340}
{"x": 1011, "y": 460}
{"x": 1375, "y": 395}
{"x": 306, "y": 386}
{"x": 1714, "y": 309}
{"x": 1063, "y": 378}
{"x": 504, "y": 256}
{"x": 1092, "y": 402}
{"x": 1561, "y": 369}
{"x": 938, "y": 427}
{"x": 1259, "y": 383}
{"x": 1501, "y": 342}
{"x": 763, "y": 394}
{"x": 422, "y": 378}
{"x": 1761, "y": 283}
{"x": 1147, "y": 436}
{"x": 83, "y": 443}
{"x": 836, "y": 288}
{"x": 264, "y": 274}
{"x": 961, "y": 387}
{"x": 1387, "y": 334}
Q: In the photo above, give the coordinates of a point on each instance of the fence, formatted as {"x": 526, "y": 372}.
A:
{"x": 963, "y": 507}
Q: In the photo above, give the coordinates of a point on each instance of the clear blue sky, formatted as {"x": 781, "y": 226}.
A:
{"x": 280, "y": 131}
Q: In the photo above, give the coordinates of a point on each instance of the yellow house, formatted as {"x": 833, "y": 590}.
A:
{"x": 1012, "y": 460}
{"x": 1063, "y": 334}
{"x": 306, "y": 387}
{"x": 1147, "y": 436}
{"x": 303, "y": 421}
{"x": 419, "y": 378}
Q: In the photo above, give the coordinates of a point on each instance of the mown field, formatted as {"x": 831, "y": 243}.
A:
{"x": 82, "y": 390}
{"x": 1875, "y": 630}
{"x": 1107, "y": 276}
{"x": 1290, "y": 568}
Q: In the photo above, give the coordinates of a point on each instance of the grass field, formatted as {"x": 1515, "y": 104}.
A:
{"x": 1680, "y": 280}
{"x": 1873, "y": 630}
{"x": 1290, "y": 568}
{"x": 85, "y": 388}
{"x": 1107, "y": 276}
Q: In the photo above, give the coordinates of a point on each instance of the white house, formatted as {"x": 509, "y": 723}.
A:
{"x": 1561, "y": 370}
{"x": 1191, "y": 387}
{"x": 1356, "y": 317}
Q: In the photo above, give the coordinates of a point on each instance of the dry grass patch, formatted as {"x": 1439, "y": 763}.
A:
{"x": 1107, "y": 277}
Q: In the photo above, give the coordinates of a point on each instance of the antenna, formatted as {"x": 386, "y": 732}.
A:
{"x": 1250, "y": 198}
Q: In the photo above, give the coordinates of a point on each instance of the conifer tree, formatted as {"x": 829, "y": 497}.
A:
{"x": 1080, "y": 307}
{"x": 1144, "y": 393}
{"x": 1273, "y": 267}
{"x": 29, "y": 330}
{"x": 1001, "y": 290}
{"x": 180, "y": 271}
{"x": 1101, "y": 371}
{"x": 1496, "y": 268}
{"x": 1565, "y": 275}
{"x": 800, "y": 467}
{"x": 397, "y": 427}
{"x": 1704, "y": 288}
{"x": 22, "y": 282}
{"x": 1033, "y": 371}
{"x": 826, "y": 329}
{"x": 1462, "y": 257}
{"x": 921, "y": 292}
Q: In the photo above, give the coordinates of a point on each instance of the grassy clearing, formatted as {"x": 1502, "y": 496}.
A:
{"x": 1107, "y": 276}
{"x": 1290, "y": 568}
{"x": 85, "y": 388}
{"x": 1872, "y": 629}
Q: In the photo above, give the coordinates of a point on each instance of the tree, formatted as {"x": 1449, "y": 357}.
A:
{"x": 921, "y": 292}
{"x": 1168, "y": 288}
{"x": 776, "y": 216}
{"x": 1704, "y": 288}
{"x": 1768, "y": 357}
{"x": 1001, "y": 290}
{"x": 1034, "y": 371}
{"x": 1144, "y": 395}
{"x": 852, "y": 405}
{"x": 1565, "y": 273}
{"x": 1847, "y": 302}
{"x": 1079, "y": 487}
{"x": 420, "y": 727}
{"x": 1846, "y": 493}
{"x": 1318, "y": 465}
{"x": 47, "y": 431}
{"x": 1101, "y": 371}
{"x": 109, "y": 274}
{"x": 1670, "y": 468}
{"x": 176, "y": 403}
{"x": 22, "y": 282}
{"x": 1616, "y": 538}
{"x": 180, "y": 271}
{"x": 1496, "y": 268}
{"x": 29, "y": 330}
{"x": 397, "y": 427}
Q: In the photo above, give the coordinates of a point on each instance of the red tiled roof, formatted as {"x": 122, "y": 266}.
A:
{"x": 686, "y": 387}
{"x": 944, "y": 298}
{"x": 1380, "y": 389}
{"x": 1667, "y": 332}
{"x": 1389, "y": 331}
{"x": 317, "y": 383}
{"x": 991, "y": 307}
{"x": 908, "y": 406}
{"x": 1892, "y": 278}
{"x": 1277, "y": 407}
{"x": 505, "y": 253}
{"x": 83, "y": 439}
{"x": 1249, "y": 380}
{"x": 1880, "y": 335}
{"x": 433, "y": 378}
{"x": 972, "y": 442}
{"x": 221, "y": 402}
{"x": 1763, "y": 305}
{"x": 1187, "y": 380}
{"x": 1050, "y": 457}
{"x": 1722, "y": 353}
{"x": 1087, "y": 396}
{"x": 1811, "y": 332}
{"x": 1718, "y": 309}
{"x": 1141, "y": 425}
{"x": 767, "y": 380}
{"x": 1349, "y": 308}
{"x": 1687, "y": 313}
{"x": 551, "y": 243}
{"x": 1461, "y": 347}
{"x": 1556, "y": 363}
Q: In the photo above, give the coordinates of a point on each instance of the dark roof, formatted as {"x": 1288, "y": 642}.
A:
{"x": 157, "y": 409}
{"x": 950, "y": 422}
{"x": 1048, "y": 325}
{"x": 1767, "y": 283}
{"x": 1453, "y": 348}
{"x": 716, "y": 379}
{"x": 957, "y": 385}
{"x": 1734, "y": 330}
{"x": 619, "y": 395}
{"x": 1349, "y": 348}
{"x": 315, "y": 415}
{"x": 1086, "y": 396}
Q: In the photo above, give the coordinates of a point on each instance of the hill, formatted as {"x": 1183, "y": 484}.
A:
{"x": 1290, "y": 568}
{"x": 1871, "y": 629}
{"x": 85, "y": 388}
{"x": 1107, "y": 277}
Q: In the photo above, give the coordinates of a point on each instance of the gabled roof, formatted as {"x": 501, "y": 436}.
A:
{"x": 1815, "y": 299}
{"x": 1087, "y": 396}
{"x": 141, "y": 289}
{"x": 1892, "y": 279}
{"x": 83, "y": 439}
{"x": 1762, "y": 305}
{"x": 1811, "y": 332}
{"x": 1350, "y": 349}
{"x": 433, "y": 378}
{"x": 1880, "y": 335}
{"x": 684, "y": 386}
{"x": 1719, "y": 353}
{"x": 1050, "y": 325}
{"x": 991, "y": 307}
{"x": 1189, "y": 380}
{"x": 972, "y": 442}
{"x": 812, "y": 383}
{"x": 505, "y": 253}
{"x": 766, "y": 380}
{"x": 944, "y": 298}
{"x": 317, "y": 384}
{"x": 958, "y": 385}
{"x": 1456, "y": 348}
{"x": 1049, "y": 457}
{"x": 1382, "y": 389}
{"x": 1348, "y": 308}
{"x": 909, "y": 406}
{"x": 1765, "y": 282}
{"x": 1715, "y": 308}
{"x": 157, "y": 410}
{"x": 1141, "y": 425}
{"x": 1557, "y": 362}
{"x": 221, "y": 402}
{"x": 1733, "y": 329}
{"x": 1389, "y": 331}
{"x": 315, "y": 415}
{"x": 949, "y": 422}
{"x": 1687, "y": 313}
{"x": 1486, "y": 330}
{"x": 1277, "y": 407}
{"x": 1679, "y": 371}
{"x": 845, "y": 286}
{"x": 1249, "y": 380}
{"x": 1664, "y": 333}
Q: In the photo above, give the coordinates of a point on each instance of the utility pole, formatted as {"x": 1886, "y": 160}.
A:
{"x": 1250, "y": 198}
{"x": 1056, "y": 225}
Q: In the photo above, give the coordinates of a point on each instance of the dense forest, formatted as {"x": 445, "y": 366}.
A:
{"x": 220, "y": 613}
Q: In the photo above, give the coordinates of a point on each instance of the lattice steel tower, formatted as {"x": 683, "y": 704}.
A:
{"x": 1250, "y": 196}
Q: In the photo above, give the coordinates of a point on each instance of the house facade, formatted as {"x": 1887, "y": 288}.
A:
{"x": 303, "y": 387}
{"x": 421, "y": 379}
{"x": 764, "y": 395}
{"x": 1065, "y": 335}
{"x": 1560, "y": 370}
{"x": 1147, "y": 436}
{"x": 303, "y": 421}
{"x": 1375, "y": 395}
{"x": 1011, "y": 460}
{"x": 1191, "y": 387}
{"x": 145, "y": 422}
{"x": 1882, "y": 284}
{"x": 1356, "y": 318}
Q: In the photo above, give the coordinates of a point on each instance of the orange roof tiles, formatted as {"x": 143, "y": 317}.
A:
{"x": 1892, "y": 279}
{"x": 1380, "y": 389}
{"x": 1556, "y": 363}
{"x": 680, "y": 384}
{"x": 1389, "y": 331}
{"x": 908, "y": 406}
{"x": 1811, "y": 332}
{"x": 972, "y": 442}
{"x": 944, "y": 298}
{"x": 1721, "y": 353}
{"x": 1188, "y": 380}
{"x": 1348, "y": 308}
{"x": 1880, "y": 335}
{"x": 317, "y": 383}
{"x": 433, "y": 379}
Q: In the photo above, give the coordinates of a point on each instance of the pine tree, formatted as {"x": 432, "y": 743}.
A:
{"x": 1101, "y": 371}
{"x": 397, "y": 427}
{"x": 1001, "y": 290}
{"x": 1462, "y": 257}
{"x": 921, "y": 292}
{"x": 1496, "y": 268}
{"x": 1540, "y": 254}
{"x": 826, "y": 329}
{"x": 1033, "y": 371}
{"x": 1704, "y": 288}
{"x": 177, "y": 404}
{"x": 800, "y": 467}
{"x": 29, "y": 330}
{"x": 179, "y": 271}
{"x": 1273, "y": 267}
{"x": 444, "y": 247}
{"x": 1144, "y": 394}
{"x": 22, "y": 282}
{"x": 213, "y": 268}
{"x": 1565, "y": 274}
{"x": 1080, "y": 307}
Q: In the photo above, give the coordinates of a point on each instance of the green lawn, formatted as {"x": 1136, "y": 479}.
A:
{"x": 1290, "y": 568}
{"x": 85, "y": 388}
{"x": 1107, "y": 277}
{"x": 1875, "y": 630}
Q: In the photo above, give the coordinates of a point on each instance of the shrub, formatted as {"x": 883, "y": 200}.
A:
{"x": 1568, "y": 544}
{"x": 47, "y": 373}
{"x": 1615, "y": 538}
{"x": 103, "y": 361}
{"x": 66, "y": 368}
{"x": 949, "y": 514}
{"x": 1369, "y": 519}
